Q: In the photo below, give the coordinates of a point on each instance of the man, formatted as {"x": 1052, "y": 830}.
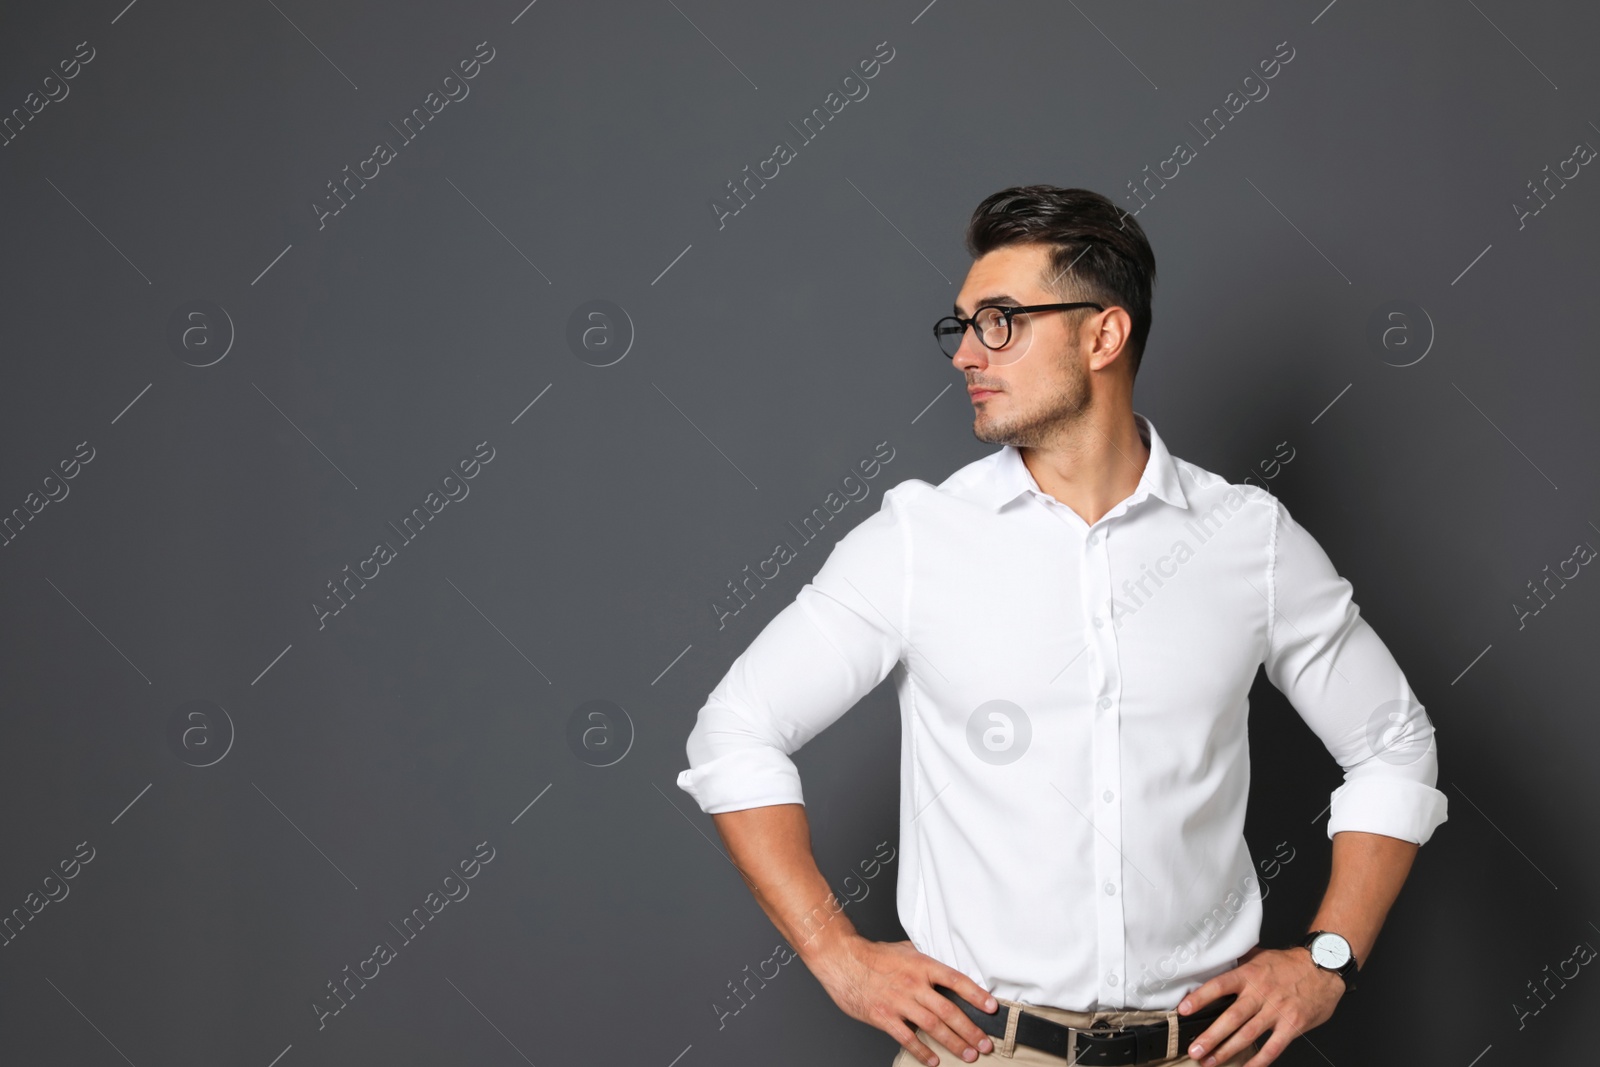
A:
{"x": 1073, "y": 623}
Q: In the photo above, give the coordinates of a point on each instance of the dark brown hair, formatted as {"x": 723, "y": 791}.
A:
{"x": 1098, "y": 251}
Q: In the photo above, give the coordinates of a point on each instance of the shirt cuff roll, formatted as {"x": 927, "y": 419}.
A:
{"x": 1396, "y": 807}
{"x": 746, "y": 778}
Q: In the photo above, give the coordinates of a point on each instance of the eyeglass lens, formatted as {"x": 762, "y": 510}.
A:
{"x": 993, "y": 333}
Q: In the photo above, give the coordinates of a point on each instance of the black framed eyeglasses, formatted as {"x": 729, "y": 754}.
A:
{"x": 992, "y": 325}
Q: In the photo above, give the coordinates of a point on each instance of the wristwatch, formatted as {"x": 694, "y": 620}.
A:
{"x": 1332, "y": 952}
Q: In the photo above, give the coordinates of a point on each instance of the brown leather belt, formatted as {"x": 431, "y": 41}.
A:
{"x": 1102, "y": 1044}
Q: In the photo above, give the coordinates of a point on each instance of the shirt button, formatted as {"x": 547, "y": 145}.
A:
{"x": 1111, "y": 979}
{"x": 1110, "y": 889}
{"x": 1094, "y": 538}
{"x": 1106, "y": 796}
{"x": 1105, "y": 702}
{"x": 1097, "y": 622}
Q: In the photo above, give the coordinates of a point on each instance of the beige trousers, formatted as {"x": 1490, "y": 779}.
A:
{"x": 1026, "y": 1056}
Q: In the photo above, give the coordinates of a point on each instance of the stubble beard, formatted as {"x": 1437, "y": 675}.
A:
{"x": 1045, "y": 418}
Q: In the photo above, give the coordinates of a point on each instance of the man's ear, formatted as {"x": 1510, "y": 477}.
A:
{"x": 1116, "y": 325}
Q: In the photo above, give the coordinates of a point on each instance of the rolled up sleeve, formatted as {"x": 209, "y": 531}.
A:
{"x": 814, "y": 660}
{"x": 1344, "y": 682}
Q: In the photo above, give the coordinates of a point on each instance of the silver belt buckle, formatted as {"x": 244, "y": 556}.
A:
{"x": 1072, "y": 1038}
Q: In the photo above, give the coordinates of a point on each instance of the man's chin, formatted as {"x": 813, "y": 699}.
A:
{"x": 989, "y": 432}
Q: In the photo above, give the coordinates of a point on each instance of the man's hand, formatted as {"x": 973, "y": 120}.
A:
{"x": 883, "y": 984}
{"x": 1279, "y": 990}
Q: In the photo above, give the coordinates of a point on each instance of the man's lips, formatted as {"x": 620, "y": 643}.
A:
{"x": 981, "y": 394}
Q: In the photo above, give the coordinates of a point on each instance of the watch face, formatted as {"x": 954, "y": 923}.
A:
{"x": 1330, "y": 951}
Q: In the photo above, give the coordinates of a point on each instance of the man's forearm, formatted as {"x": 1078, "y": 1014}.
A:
{"x": 1368, "y": 871}
{"x": 771, "y": 847}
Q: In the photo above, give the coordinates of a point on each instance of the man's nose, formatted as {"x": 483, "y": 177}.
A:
{"x": 971, "y": 355}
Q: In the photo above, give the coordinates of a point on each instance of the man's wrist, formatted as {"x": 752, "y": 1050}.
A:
{"x": 1305, "y": 953}
{"x": 827, "y": 941}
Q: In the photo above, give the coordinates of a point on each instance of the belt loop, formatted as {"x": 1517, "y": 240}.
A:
{"x": 1008, "y": 1046}
{"x": 1172, "y": 1034}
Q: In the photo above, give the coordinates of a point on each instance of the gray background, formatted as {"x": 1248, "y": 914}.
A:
{"x": 768, "y": 356}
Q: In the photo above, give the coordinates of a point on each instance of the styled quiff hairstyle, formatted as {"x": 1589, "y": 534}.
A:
{"x": 1098, "y": 251}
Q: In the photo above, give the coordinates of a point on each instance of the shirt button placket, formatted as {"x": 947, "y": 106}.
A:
{"x": 1105, "y": 701}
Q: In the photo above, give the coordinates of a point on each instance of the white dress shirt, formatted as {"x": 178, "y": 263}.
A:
{"x": 1074, "y": 762}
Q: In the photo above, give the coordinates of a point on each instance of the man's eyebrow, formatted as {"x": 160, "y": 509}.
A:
{"x": 1000, "y": 298}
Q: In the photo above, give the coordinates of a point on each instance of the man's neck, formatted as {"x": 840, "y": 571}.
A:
{"x": 1092, "y": 465}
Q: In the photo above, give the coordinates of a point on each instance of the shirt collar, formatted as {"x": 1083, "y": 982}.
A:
{"x": 1160, "y": 479}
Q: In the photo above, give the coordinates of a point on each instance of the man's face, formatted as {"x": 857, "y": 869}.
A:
{"x": 1040, "y": 381}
